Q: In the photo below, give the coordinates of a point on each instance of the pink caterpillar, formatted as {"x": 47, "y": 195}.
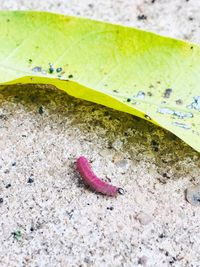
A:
{"x": 89, "y": 178}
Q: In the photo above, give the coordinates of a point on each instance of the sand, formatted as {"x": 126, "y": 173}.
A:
{"x": 48, "y": 217}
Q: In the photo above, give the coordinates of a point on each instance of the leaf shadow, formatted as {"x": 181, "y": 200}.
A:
{"x": 140, "y": 141}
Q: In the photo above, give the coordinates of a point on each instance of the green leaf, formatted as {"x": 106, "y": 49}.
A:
{"x": 147, "y": 75}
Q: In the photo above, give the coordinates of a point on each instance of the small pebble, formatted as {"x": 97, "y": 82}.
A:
{"x": 104, "y": 153}
{"x": 142, "y": 17}
{"x": 117, "y": 144}
{"x": 110, "y": 208}
{"x": 30, "y": 180}
{"x": 144, "y": 218}
{"x": 193, "y": 195}
{"x": 41, "y": 110}
{"x": 122, "y": 163}
{"x": 143, "y": 260}
{"x": 1, "y": 200}
{"x": 155, "y": 145}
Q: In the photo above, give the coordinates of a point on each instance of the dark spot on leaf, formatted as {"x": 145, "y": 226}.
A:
{"x": 70, "y": 76}
{"x": 140, "y": 95}
{"x": 51, "y": 69}
{"x": 149, "y": 93}
{"x": 37, "y": 69}
{"x": 167, "y": 93}
{"x": 59, "y": 69}
{"x": 128, "y": 100}
{"x": 179, "y": 102}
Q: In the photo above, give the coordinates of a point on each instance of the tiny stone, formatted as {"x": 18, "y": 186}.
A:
{"x": 143, "y": 260}
{"x": 144, "y": 218}
{"x": 41, "y": 110}
{"x": 193, "y": 195}
{"x": 1, "y": 200}
{"x": 161, "y": 235}
{"x": 110, "y": 208}
{"x": 142, "y": 17}
{"x": 8, "y": 185}
{"x": 14, "y": 163}
{"x": 155, "y": 145}
{"x": 117, "y": 144}
{"x": 104, "y": 153}
{"x": 122, "y": 163}
{"x": 30, "y": 180}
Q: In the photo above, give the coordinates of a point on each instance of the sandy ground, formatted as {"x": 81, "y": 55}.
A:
{"x": 48, "y": 218}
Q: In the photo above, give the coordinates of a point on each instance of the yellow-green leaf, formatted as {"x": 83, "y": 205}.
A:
{"x": 147, "y": 75}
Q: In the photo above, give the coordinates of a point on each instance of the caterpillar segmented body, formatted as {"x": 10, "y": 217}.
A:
{"x": 95, "y": 183}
